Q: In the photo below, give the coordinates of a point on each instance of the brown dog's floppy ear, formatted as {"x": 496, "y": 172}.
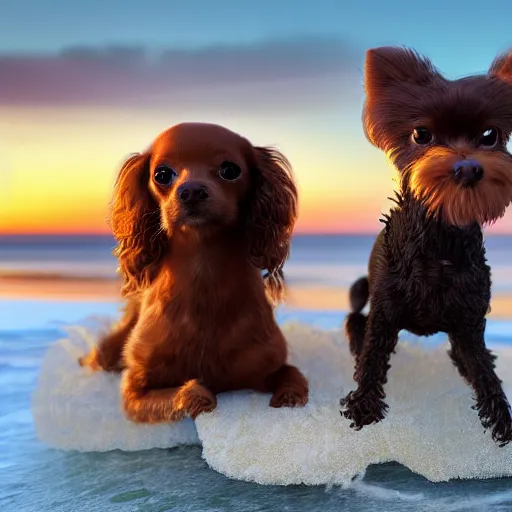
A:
{"x": 389, "y": 65}
{"x": 135, "y": 222}
{"x": 271, "y": 217}
{"x": 502, "y": 67}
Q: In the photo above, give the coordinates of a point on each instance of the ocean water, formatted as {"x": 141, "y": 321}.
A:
{"x": 34, "y": 477}
{"x": 316, "y": 260}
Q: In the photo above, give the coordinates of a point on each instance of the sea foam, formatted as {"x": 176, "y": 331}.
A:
{"x": 430, "y": 427}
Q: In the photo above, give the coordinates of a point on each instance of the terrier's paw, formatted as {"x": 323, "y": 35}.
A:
{"x": 494, "y": 413}
{"x": 289, "y": 397}
{"x": 363, "y": 409}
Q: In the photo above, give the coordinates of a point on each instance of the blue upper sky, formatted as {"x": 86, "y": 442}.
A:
{"x": 460, "y": 36}
{"x": 283, "y": 72}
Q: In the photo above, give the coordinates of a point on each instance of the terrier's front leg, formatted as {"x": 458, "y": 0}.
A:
{"x": 366, "y": 404}
{"x": 476, "y": 365}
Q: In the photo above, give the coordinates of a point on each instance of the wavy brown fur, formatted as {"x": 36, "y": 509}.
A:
{"x": 199, "y": 318}
{"x": 270, "y": 213}
{"x": 135, "y": 222}
{"x": 272, "y": 210}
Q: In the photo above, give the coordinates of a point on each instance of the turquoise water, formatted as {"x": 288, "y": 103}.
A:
{"x": 37, "y": 478}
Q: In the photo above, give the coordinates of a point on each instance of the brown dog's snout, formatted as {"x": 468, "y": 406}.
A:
{"x": 192, "y": 192}
{"x": 468, "y": 172}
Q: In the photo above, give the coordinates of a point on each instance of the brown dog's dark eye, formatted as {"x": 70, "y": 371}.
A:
{"x": 164, "y": 175}
{"x": 422, "y": 136}
{"x": 489, "y": 138}
{"x": 229, "y": 171}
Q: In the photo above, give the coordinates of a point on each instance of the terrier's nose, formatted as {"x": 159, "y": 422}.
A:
{"x": 468, "y": 172}
{"x": 192, "y": 192}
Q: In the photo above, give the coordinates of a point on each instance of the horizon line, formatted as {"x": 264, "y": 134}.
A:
{"x": 106, "y": 234}
{"x": 298, "y": 233}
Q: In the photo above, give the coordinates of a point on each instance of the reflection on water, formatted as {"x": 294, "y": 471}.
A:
{"x": 37, "y": 478}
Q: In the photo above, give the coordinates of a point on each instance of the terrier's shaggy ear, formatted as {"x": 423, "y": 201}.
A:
{"x": 502, "y": 67}
{"x": 389, "y": 65}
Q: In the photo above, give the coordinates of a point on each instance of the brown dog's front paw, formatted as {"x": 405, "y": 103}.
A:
{"x": 289, "y": 398}
{"x": 200, "y": 404}
{"x": 195, "y": 399}
{"x": 494, "y": 413}
{"x": 90, "y": 360}
{"x": 362, "y": 409}
{"x": 97, "y": 360}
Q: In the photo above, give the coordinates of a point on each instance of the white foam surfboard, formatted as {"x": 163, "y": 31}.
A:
{"x": 430, "y": 426}
{"x": 75, "y": 408}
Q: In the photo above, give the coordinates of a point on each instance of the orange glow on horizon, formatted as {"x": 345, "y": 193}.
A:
{"x": 58, "y": 165}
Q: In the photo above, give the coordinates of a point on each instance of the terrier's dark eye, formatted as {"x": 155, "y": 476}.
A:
{"x": 422, "y": 136}
{"x": 489, "y": 138}
{"x": 229, "y": 171}
{"x": 164, "y": 175}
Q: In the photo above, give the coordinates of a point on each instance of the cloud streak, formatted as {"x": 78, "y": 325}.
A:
{"x": 274, "y": 71}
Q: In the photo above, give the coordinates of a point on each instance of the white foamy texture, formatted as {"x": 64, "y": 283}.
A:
{"x": 77, "y": 409}
{"x": 430, "y": 427}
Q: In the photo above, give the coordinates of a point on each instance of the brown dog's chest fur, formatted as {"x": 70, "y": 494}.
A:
{"x": 437, "y": 273}
{"x": 214, "y": 325}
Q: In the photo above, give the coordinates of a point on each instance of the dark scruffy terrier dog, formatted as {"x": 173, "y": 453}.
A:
{"x": 427, "y": 269}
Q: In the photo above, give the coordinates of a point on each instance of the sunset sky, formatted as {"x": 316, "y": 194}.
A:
{"x": 83, "y": 84}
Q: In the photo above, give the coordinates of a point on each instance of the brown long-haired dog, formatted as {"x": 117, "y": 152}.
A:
{"x": 197, "y": 217}
{"x": 428, "y": 271}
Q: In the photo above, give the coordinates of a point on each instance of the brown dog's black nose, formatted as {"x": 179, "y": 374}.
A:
{"x": 192, "y": 192}
{"x": 468, "y": 172}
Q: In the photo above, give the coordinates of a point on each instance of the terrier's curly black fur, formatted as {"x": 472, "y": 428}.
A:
{"x": 428, "y": 270}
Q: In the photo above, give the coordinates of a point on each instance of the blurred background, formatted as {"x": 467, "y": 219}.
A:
{"x": 85, "y": 84}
